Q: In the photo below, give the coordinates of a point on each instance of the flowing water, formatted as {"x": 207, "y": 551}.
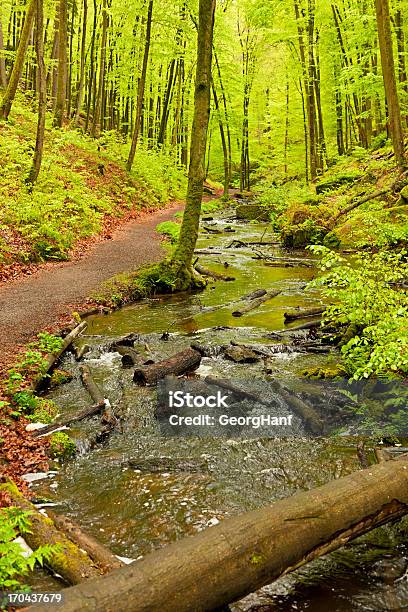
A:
{"x": 136, "y": 511}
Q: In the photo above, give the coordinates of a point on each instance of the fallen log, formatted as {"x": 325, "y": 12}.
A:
{"x": 309, "y": 325}
{"x": 286, "y": 261}
{"x": 101, "y": 555}
{"x": 310, "y": 417}
{"x": 367, "y": 198}
{"x": 303, "y": 313}
{"x": 204, "y": 272}
{"x": 80, "y": 416}
{"x": 228, "y": 561}
{"x": 51, "y": 360}
{"x": 108, "y": 418}
{"x": 69, "y": 561}
{"x": 255, "y": 303}
{"x": 180, "y": 363}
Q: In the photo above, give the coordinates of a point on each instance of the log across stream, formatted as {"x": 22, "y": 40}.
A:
{"x": 140, "y": 490}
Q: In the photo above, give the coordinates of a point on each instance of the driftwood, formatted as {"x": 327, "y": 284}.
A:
{"x": 108, "y": 418}
{"x": 52, "y": 359}
{"x": 309, "y": 415}
{"x": 309, "y": 325}
{"x": 241, "y": 243}
{"x": 204, "y": 272}
{"x": 70, "y": 562}
{"x": 101, "y": 555}
{"x": 180, "y": 363}
{"x": 289, "y": 262}
{"x": 228, "y": 561}
{"x": 303, "y": 313}
{"x": 80, "y": 416}
{"x": 255, "y": 303}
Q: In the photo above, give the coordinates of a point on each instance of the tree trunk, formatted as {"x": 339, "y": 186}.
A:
{"x": 62, "y": 75}
{"x": 141, "y": 88}
{"x": 3, "y": 75}
{"x": 98, "y": 112}
{"x": 240, "y": 555}
{"x": 42, "y": 96}
{"x": 183, "y": 255}
{"x": 81, "y": 85}
{"x": 390, "y": 85}
{"x": 101, "y": 555}
{"x": 18, "y": 67}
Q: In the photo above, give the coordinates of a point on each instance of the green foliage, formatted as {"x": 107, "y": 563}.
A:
{"x": 62, "y": 446}
{"x": 13, "y": 565}
{"x": 170, "y": 229}
{"x": 71, "y": 197}
{"x": 370, "y": 294}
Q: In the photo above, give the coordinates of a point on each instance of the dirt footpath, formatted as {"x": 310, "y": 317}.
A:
{"x": 31, "y": 304}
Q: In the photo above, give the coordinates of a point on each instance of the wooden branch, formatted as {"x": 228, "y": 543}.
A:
{"x": 52, "y": 359}
{"x": 367, "y": 198}
{"x": 255, "y": 303}
{"x": 80, "y": 416}
{"x": 226, "y": 562}
{"x": 204, "y": 272}
{"x": 108, "y": 418}
{"x": 101, "y": 555}
{"x": 303, "y": 313}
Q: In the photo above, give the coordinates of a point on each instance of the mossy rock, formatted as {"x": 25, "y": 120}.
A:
{"x": 334, "y": 182}
{"x": 252, "y": 212}
{"x": 299, "y": 236}
{"x": 62, "y": 446}
{"x": 60, "y": 377}
{"x": 326, "y": 372}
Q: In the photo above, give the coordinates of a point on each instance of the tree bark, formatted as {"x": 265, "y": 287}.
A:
{"x": 62, "y": 74}
{"x": 97, "y": 123}
{"x": 3, "y": 75}
{"x": 240, "y": 555}
{"x": 390, "y": 85}
{"x": 101, "y": 555}
{"x": 183, "y": 255}
{"x": 42, "y": 96}
{"x": 255, "y": 303}
{"x": 18, "y": 67}
{"x": 81, "y": 85}
{"x": 141, "y": 88}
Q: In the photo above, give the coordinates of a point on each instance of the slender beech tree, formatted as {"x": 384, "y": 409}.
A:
{"x": 3, "y": 76}
{"x": 42, "y": 95}
{"x": 97, "y": 123}
{"x": 18, "y": 66}
{"x": 183, "y": 255}
{"x": 390, "y": 84}
{"x": 62, "y": 73}
{"x": 141, "y": 87}
{"x": 81, "y": 84}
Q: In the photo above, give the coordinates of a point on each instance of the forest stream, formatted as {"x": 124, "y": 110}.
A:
{"x": 133, "y": 509}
